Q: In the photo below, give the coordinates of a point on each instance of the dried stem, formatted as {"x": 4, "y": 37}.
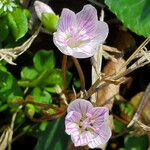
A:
{"x": 64, "y": 69}
{"x": 12, "y": 127}
{"x": 102, "y": 82}
{"x": 137, "y": 50}
{"x": 80, "y": 72}
{"x": 141, "y": 106}
{"x": 9, "y": 54}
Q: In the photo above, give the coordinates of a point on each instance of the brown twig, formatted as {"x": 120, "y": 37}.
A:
{"x": 64, "y": 68}
{"x": 101, "y": 82}
{"x": 80, "y": 72}
{"x": 137, "y": 50}
{"x": 141, "y": 106}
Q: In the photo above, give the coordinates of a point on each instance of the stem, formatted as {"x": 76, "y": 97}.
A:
{"x": 80, "y": 72}
{"x": 64, "y": 68}
{"x": 102, "y": 82}
{"x": 137, "y": 50}
{"x": 36, "y": 81}
{"x": 141, "y": 106}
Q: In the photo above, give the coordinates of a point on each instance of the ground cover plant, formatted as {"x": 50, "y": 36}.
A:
{"x": 74, "y": 74}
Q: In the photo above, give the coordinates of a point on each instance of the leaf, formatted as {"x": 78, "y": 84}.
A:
{"x": 44, "y": 60}
{"x": 135, "y": 14}
{"x": 18, "y": 23}
{"x": 28, "y": 73}
{"x": 3, "y": 29}
{"x": 136, "y": 142}
{"x": 54, "y": 137}
{"x": 55, "y": 78}
{"x": 49, "y": 21}
{"x": 119, "y": 126}
{"x": 41, "y": 96}
{"x": 8, "y": 87}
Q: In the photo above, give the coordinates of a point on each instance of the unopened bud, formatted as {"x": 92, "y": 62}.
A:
{"x": 41, "y": 8}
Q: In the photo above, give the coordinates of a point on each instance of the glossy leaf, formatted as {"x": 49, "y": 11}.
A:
{"x": 28, "y": 73}
{"x": 18, "y": 23}
{"x": 44, "y": 60}
{"x": 55, "y": 78}
{"x": 41, "y": 96}
{"x": 8, "y": 87}
{"x": 3, "y": 29}
{"x": 136, "y": 142}
{"x": 119, "y": 126}
{"x": 54, "y": 137}
{"x": 135, "y": 14}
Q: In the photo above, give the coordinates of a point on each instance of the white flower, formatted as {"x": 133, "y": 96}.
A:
{"x": 7, "y": 5}
{"x": 80, "y": 34}
{"x": 87, "y": 125}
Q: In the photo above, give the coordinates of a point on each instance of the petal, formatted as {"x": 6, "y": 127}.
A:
{"x": 80, "y": 105}
{"x": 87, "y": 20}
{"x": 67, "y": 21}
{"x": 73, "y": 116}
{"x": 100, "y": 113}
{"x": 102, "y": 138}
{"x": 83, "y": 139}
{"x": 85, "y": 50}
{"x": 41, "y": 7}
{"x": 71, "y": 122}
{"x": 101, "y": 32}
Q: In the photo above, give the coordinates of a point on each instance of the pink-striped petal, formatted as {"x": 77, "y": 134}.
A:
{"x": 80, "y": 105}
{"x": 67, "y": 21}
{"x": 83, "y": 139}
{"x": 85, "y": 50}
{"x": 102, "y": 138}
{"x": 71, "y": 123}
{"x": 87, "y": 20}
{"x": 101, "y": 32}
{"x": 100, "y": 113}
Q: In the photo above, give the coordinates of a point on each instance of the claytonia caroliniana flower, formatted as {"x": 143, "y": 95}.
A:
{"x": 41, "y": 7}
{"x": 7, "y": 5}
{"x": 86, "y": 124}
{"x": 80, "y": 34}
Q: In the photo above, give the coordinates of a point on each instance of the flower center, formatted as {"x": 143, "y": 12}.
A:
{"x": 87, "y": 123}
{"x": 73, "y": 41}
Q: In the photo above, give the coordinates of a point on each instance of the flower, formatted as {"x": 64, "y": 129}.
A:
{"x": 7, "y": 5}
{"x": 41, "y": 7}
{"x": 79, "y": 35}
{"x": 86, "y": 124}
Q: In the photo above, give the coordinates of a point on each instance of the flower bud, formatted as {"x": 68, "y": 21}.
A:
{"x": 41, "y": 8}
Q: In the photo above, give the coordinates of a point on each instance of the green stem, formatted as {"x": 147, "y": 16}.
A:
{"x": 37, "y": 81}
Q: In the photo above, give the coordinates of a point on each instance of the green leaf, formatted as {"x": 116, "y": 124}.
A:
{"x": 30, "y": 110}
{"x": 77, "y": 83}
{"x": 41, "y": 96}
{"x": 136, "y": 142}
{"x": 29, "y": 73}
{"x": 8, "y": 87}
{"x": 44, "y": 60}
{"x": 54, "y": 137}
{"x": 49, "y": 21}
{"x": 18, "y": 23}
{"x": 119, "y": 126}
{"x": 55, "y": 78}
{"x": 3, "y": 29}
{"x": 135, "y": 14}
